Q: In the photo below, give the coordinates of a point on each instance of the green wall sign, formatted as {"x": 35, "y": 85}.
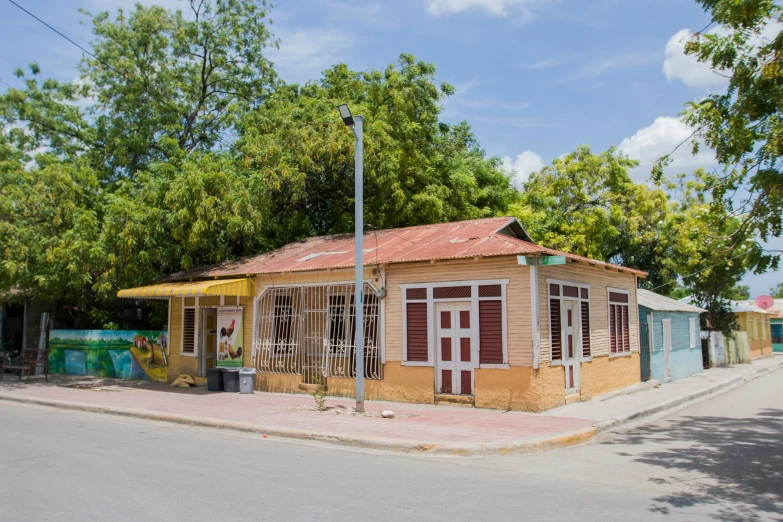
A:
{"x": 541, "y": 261}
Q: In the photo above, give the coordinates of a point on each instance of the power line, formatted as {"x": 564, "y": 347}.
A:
{"x": 53, "y": 29}
{"x": 145, "y": 87}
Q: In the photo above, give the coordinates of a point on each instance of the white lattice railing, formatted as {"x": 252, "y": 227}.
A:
{"x": 310, "y": 331}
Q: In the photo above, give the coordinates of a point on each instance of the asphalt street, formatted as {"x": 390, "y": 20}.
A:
{"x": 721, "y": 459}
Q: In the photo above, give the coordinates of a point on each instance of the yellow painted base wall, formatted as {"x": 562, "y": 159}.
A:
{"x": 606, "y": 374}
{"x": 414, "y": 384}
{"x": 760, "y": 347}
{"x": 271, "y": 382}
{"x": 518, "y": 388}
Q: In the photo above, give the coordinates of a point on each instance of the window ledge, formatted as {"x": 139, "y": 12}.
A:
{"x": 555, "y": 363}
{"x": 416, "y": 363}
{"x": 494, "y": 367}
{"x": 587, "y": 359}
{"x": 187, "y": 354}
{"x": 623, "y": 354}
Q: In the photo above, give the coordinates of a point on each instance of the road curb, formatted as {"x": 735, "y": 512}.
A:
{"x": 534, "y": 445}
{"x": 681, "y": 402}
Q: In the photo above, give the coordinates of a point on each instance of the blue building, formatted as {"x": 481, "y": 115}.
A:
{"x": 674, "y": 337}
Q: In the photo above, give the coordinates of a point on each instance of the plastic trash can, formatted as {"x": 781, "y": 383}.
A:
{"x": 214, "y": 379}
{"x": 231, "y": 380}
{"x": 247, "y": 380}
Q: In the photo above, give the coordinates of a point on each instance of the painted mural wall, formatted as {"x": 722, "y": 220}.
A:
{"x": 118, "y": 354}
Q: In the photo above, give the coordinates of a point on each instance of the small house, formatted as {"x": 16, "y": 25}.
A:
{"x": 472, "y": 312}
{"x": 674, "y": 337}
{"x": 756, "y": 322}
{"x": 776, "y": 326}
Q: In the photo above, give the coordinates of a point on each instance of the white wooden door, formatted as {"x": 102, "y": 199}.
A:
{"x": 571, "y": 345}
{"x": 667, "y": 348}
{"x": 454, "y": 350}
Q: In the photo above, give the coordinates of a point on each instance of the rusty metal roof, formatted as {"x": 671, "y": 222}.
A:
{"x": 486, "y": 237}
{"x": 662, "y": 303}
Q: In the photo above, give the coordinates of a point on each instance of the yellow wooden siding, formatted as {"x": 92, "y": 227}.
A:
{"x": 178, "y": 364}
{"x": 519, "y": 336}
{"x": 247, "y": 335}
{"x": 754, "y": 323}
{"x": 599, "y": 279}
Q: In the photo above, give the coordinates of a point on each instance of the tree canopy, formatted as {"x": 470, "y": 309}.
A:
{"x": 178, "y": 146}
{"x": 744, "y": 124}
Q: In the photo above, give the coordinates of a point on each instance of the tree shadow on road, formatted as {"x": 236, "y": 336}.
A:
{"x": 740, "y": 462}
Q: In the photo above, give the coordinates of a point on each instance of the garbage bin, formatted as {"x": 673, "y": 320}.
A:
{"x": 214, "y": 379}
{"x": 231, "y": 380}
{"x": 247, "y": 380}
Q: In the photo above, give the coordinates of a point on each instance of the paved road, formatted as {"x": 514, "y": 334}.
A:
{"x": 718, "y": 460}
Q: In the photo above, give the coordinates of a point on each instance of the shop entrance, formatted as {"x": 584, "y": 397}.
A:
{"x": 207, "y": 354}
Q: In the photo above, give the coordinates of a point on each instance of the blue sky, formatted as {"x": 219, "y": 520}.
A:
{"x": 534, "y": 78}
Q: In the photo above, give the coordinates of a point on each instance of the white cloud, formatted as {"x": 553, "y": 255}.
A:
{"x": 501, "y": 8}
{"x": 693, "y": 73}
{"x": 305, "y": 53}
{"x": 522, "y": 167}
{"x": 686, "y": 68}
{"x": 659, "y": 139}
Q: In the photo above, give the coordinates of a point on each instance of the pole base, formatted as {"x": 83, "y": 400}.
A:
{"x": 359, "y": 405}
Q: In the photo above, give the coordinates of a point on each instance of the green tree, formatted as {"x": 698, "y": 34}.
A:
{"x": 201, "y": 212}
{"x": 299, "y": 155}
{"x": 744, "y": 124}
{"x": 777, "y": 291}
{"x": 587, "y": 204}
{"x": 50, "y": 231}
{"x": 157, "y": 84}
{"x": 738, "y": 293}
{"x": 711, "y": 261}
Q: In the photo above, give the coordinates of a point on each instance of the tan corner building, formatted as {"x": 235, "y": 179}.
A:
{"x": 756, "y": 322}
{"x": 472, "y": 312}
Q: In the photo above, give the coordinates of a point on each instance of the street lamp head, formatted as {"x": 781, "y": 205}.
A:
{"x": 345, "y": 112}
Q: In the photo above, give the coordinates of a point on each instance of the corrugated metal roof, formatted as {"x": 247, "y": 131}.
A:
{"x": 459, "y": 240}
{"x": 661, "y": 303}
{"x": 748, "y": 306}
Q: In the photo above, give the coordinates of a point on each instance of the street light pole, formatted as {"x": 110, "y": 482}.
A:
{"x": 359, "y": 232}
{"x": 357, "y": 128}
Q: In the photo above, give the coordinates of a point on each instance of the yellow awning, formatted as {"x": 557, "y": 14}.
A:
{"x": 240, "y": 287}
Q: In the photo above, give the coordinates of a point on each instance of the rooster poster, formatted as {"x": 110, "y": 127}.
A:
{"x": 230, "y": 337}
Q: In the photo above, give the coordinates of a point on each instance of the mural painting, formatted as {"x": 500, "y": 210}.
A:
{"x": 119, "y": 354}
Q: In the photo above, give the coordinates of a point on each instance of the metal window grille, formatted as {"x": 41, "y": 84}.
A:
{"x": 310, "y": 331}
{"x": 490, "y": 291}
{"x": 450, "y": 292}
{"x": 416, "y": 293}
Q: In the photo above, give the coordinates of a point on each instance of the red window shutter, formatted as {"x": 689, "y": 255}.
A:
{"x": 491, "y": 332}
{"x": 556, "y": 349}
{"x": 626, "y": 330}
{"x": 416, "y": 316}
{"x": 585, "y": 330}
{"x": 612, "y": 329}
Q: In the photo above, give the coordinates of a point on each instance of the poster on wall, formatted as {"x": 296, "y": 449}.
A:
{"x": 230, "y": 337}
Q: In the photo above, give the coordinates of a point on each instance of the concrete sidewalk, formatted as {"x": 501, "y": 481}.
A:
{"x": 415, "y": 428}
